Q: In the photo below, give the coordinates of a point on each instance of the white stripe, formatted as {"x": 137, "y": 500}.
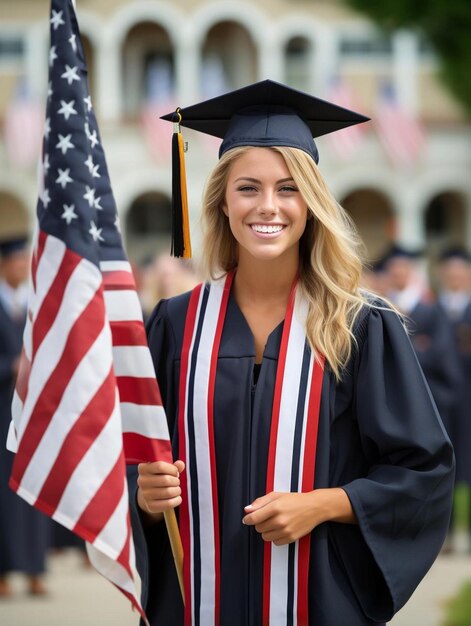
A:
{"x": 114, "y": 533}
{"x": 12, "y": 443}
{"x": 202, "y": 449}
{"x": 16, "y": 410}
{"x": 46, "y": 271}
{"x": 284, "y": 457}
{"x": 79, "y": 291}
{"x": 28, "y": 336}
{"x": 115, "y": 266}
{"x": 187, "y": 451}
{"x": 133, "y": 361}
{"x": 110, "y": 569}
{"x": 92, "y": 470}
{"x": 82, "y": 387}
{"x": 122, "y": 305}
{"x": 148, "y": 421}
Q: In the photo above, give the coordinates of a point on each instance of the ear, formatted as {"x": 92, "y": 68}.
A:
{"x": 224, "y": 209}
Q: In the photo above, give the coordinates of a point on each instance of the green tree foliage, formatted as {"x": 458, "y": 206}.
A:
{"x": 445, "y": 24}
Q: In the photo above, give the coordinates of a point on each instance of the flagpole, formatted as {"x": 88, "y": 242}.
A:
{"x": 176, "y": 545}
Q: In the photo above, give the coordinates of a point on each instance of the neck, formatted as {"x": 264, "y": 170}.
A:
{"x": 265, "y": 281}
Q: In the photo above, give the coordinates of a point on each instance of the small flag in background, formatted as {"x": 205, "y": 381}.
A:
{"x": 23, "y": 127}
{"x": 400, "y": 133}
{"x": 345, "y": 143}
{"x": 159, "y": 100}
{"x": 86, "y": 399}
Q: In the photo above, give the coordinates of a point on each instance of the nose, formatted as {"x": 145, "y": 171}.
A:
{"x": 267, "y": 204}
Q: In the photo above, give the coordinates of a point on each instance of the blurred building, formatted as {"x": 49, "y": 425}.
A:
{"x": 406, "y": 176}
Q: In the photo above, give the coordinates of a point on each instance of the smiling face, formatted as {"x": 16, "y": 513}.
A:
{"x": 267, "y": 213}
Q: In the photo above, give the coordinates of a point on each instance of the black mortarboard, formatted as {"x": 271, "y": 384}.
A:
{"x": 455, "y": 253}
{"x": 11, "y": 245}
{"x": 399, "y": 252}
{"x": 263, "y": 114}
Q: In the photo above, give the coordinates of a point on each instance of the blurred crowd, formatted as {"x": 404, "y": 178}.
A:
{"x": 438, "y": 319}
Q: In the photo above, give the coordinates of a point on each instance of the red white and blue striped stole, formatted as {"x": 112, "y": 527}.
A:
{"x": 291, "y": 457}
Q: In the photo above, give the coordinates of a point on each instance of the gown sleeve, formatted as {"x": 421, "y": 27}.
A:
{"x": 403, "y": 503}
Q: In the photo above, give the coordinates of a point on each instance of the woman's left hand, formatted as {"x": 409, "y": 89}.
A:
{"x": 286, "y": 517}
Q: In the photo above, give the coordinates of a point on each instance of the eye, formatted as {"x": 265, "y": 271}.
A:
{"x": 248, "y": 188}
{"x": 289, "y": 189}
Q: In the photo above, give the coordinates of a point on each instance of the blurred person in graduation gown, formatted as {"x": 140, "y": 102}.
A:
{"x": 313, "y": 476}
{"x": 430, "y": 331}
{"x": 455, "y": 297}
{"x": 24, "y": 531}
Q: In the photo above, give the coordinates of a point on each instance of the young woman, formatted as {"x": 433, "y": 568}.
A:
{"x": 314, "y": 477}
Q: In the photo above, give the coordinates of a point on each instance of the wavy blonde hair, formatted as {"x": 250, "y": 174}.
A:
{"x": 330, "y": 253}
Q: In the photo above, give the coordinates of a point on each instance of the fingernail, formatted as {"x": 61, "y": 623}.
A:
{"x": 249, "y": 507}
{"x": 243, "y": 521}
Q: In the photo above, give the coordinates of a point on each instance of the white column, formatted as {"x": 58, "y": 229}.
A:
{"x": 37, "y": 60}
{"x": 405, "y": 68}
{"x": 187, "y": 67}
{"x": 108, "y": 84}
{"x": 270, "y": 58}
{"x": 411, "y": 225}
{"x": 325, "y": 62}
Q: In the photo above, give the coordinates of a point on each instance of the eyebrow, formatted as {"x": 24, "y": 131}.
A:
{"x": 255, "y": 180}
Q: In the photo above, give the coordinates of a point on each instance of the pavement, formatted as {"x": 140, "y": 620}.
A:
{"x": 78, "y": 596}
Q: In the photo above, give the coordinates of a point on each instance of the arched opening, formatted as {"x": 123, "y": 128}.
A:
{"x": 148, "y": 226}
{"x": 14, "y": 217}
{"x": 89, "y": 52}
{"x": 297, "y": 62}
{"x": 373, "y": 215}
{"x": 445, "y": 222}
{"x": 148, "y": 65}
{"x": 229, "y": 59}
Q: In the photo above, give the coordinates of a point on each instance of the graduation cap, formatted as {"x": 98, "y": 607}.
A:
{"x": 455, "y": 253}
{"x": 399, "y": 252}
{"x": 263, "y": 114}
{"x": 10, "y": 246}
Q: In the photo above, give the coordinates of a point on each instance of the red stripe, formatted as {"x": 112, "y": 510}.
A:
{"x": 81, "y": 337}
{"x": 79, "y": 439}
{"x": 118, "y": 280}
{"x": 103, "y": 504}
{"x": 309, "y": 469}
{"x": 184, "y": 508}
{"x": 141, "y": 449}
{"x": 37, "y": 254}
{"x": 128, "y": 333}
{"x": 212, "y": 448}
{"x": 124, "y": 556}
{"x": 54, "y": 299}
{"x": 272, "y": 445}
{"x": 142, "y": 391}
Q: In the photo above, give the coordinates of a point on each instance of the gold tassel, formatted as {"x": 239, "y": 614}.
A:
{"x": 181, "y": 245}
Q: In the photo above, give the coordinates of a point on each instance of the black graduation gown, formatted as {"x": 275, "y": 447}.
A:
{"x": 24, "y": 531}
{"x": 462, "y": 408}
{"x": 380, "y": 438}
{"x": 432, "y": 337}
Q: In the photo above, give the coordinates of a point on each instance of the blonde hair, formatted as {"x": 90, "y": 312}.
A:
{"x": 330, "y": 253}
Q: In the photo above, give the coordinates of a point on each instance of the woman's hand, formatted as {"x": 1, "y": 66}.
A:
{"x": 159, "y": 488}
{"x": 285, "y": 517}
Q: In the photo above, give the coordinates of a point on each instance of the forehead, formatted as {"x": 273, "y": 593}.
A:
{"x": 258, "y": 162}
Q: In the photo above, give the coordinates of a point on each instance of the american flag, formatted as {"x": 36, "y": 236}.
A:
{"x": 345, "y": 143}
{"x": 87, "y": 399}
{"x": 400, "y": 133}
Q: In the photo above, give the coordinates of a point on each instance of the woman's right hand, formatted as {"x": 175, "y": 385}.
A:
{"x": 159, "y": 488}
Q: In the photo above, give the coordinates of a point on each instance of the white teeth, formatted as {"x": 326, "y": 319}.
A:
{"x": 264, "y": 228}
